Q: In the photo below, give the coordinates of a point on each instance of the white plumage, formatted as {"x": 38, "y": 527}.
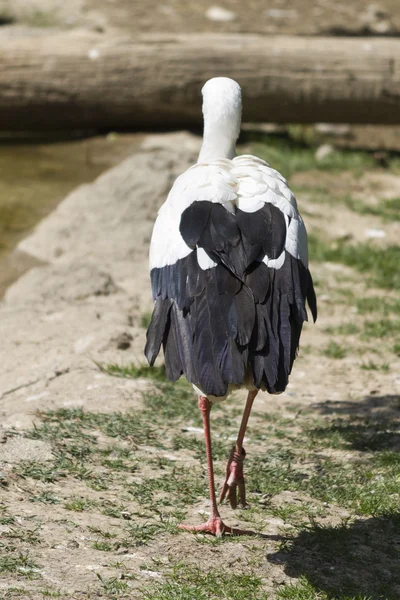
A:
{"x": 245, "y": 182}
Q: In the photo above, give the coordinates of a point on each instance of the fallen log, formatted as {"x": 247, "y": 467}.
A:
{"x": 87, "y": 80}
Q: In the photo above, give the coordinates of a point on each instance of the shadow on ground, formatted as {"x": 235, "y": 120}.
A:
{"x": 372, "y": 425}
{"x": 358, "y": 559}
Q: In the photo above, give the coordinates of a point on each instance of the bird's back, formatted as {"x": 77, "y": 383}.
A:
{"x": 230, "y": 277}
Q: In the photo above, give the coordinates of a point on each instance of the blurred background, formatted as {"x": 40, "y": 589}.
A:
{"x": 60, "y": 59}
{"x": 81, "y": 80}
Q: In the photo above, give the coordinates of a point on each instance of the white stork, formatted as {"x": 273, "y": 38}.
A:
{"x": 230, "y": 279}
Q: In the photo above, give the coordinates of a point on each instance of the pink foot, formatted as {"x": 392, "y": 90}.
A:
{"x": 234, "y": 480}
{"x": 214, "y": 526}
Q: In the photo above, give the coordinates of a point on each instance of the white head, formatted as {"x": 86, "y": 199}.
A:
{"x": 222, "y": 111}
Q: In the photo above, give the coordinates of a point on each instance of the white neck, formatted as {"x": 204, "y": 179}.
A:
{"x": 222, "y": 110}
{"x": 217, "y": 144}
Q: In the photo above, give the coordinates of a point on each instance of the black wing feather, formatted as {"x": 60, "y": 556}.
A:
{"x": 236, "y": 320}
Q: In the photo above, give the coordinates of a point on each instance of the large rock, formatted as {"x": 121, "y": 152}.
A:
{"x": 59, "y": 319}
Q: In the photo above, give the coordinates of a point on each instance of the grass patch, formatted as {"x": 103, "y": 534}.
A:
{"x": 378, "y": 304}
{"x": 71, "y": 430}
{"x": 381, "y": 264}
{"x": 290, "y": 156}
{"x": 15, "y": 563}
{"x": 220, "y": 448}
{"x": 301, "y": 590}
{"x": 172, "y": 400}
{"x": 188, "y": 582}
{"x": 367, "y": 485}
{"x": 27, "y": 536}
{"x": 145, "y": 320}
{"x": 45, "y": 498}
{"x": 381, "y": 328}
{"x": 132, "y": 371}
{"x": 387, "y": 209}
{"x": 343, "y": 329}
{"x": 334, "y": 350}
{"x": 372, "y": 366}
{"x": 112, "y": 586}
{"x": 79, "y": 504}
{"x": 180, "y": 487}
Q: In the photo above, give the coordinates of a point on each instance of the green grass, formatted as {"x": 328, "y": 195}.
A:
{"x": 133, "y": 371}
{"x": 381, "y": 328}
{"x": 168, "y": 401}
{"x": 387, "y": 209}
{"x": 25, "y": 535}
{"x": 377, "y": 304}
{"x": 188, "y": 582}
{"x": 343, "y": 329}
{"x": 145, "y": 320}
{"x": 380, "y": 264}
{"x": 372, "y": 366}
{"x": 334, "y": 350}
{"x": 45, "y": 498}
{"x": 17, "y": 563}
{"x": 79, "y": 504}
{"x": 181, "y": 487}
{"x": 290, "y": 156}
{"x": 113, "y": 587}
{"x": 301, "y": 590}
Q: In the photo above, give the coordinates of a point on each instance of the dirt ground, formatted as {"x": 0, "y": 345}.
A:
{"x": 299, "y": 17}
{"x": 91, "y": 495}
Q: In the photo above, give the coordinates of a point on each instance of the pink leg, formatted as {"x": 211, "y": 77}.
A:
{"x": 214, "y": 525}
{"x": 234, "y": 478}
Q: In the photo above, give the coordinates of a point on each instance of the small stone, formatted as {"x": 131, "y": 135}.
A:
{"x": 123, "y": 341}
{"x": 93, "y": 54}
{"x": 218, "y": 13}
{"x": 73, "y": 544}
{"x": 333, "y": 129}
{"x": 375, "y": 233}
{"x": 323, "y": 151}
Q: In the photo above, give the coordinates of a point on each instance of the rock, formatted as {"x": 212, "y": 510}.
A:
{"x": 64, "y": 282}
{"x": 59, "y": 318}
{"x": 324, "y": 151}
{"x": 375, "y": 233}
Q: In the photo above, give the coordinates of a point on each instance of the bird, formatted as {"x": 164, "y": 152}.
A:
{"x": 230, "y": 281}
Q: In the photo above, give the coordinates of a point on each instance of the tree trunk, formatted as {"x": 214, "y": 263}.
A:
{"x": 88, "y": 80}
